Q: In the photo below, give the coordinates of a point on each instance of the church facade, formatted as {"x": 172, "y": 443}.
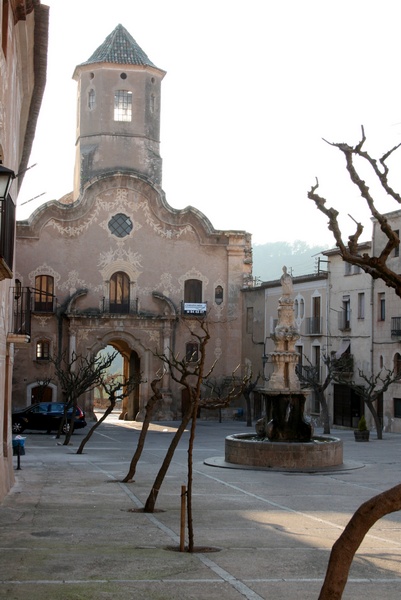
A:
{"x": 112, "y": 264}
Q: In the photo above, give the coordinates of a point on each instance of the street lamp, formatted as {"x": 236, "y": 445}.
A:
{"x": 6, "y": 178}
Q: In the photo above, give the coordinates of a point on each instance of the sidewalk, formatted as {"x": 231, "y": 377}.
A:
{"x": 69, "y": 530}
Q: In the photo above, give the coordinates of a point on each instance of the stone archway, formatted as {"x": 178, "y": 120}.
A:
{"x": 131, "y": 367}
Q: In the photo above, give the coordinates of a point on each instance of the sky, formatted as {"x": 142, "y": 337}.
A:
{"x": 252, "y": 90}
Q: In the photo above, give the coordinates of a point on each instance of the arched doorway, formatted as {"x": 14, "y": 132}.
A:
{"x": 126, "y": 365}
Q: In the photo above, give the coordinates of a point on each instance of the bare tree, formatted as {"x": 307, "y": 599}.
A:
{"x": 371, "y": 388}
{"x": 221, "y": 391}
{"x": 310, "y": 378}
{"x": 116, "y": 389}
{"x": 77, "y": 375}
{"x": 376, "y": 266}
{"x": 156, "y": 396}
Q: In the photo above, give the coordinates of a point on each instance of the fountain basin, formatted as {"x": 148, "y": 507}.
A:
{"x": 320, "y": 452}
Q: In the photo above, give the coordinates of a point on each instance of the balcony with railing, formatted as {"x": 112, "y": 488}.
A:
{"x": 314, "y": 326}
{"x": 7, "y": 229}
{"x": 344, "y": 320}
{"x": 396, "y": 327}
{"x": 21, "y": 315}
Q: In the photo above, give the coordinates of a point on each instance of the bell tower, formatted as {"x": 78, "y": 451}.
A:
{"x": 118, "y": 112}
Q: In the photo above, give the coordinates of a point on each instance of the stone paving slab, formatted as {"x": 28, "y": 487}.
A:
{"x": 70, "y": 529}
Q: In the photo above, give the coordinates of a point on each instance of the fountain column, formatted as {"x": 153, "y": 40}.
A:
{"x": 283, "y": 392}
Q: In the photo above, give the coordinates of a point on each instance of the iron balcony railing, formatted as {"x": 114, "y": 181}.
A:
{"x": 314, "y": 326}
{"x": 395, "y": 326}
{"x": 344, "y": 320}
{"x": 21, "y": 314}
{"x": 7, "y": 229}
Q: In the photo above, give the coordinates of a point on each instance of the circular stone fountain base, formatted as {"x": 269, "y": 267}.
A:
{"x": 245, "y": 449}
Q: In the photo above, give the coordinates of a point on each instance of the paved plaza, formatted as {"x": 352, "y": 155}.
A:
{"x": 70, "y": 530}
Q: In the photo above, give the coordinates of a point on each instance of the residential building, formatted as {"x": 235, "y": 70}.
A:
{"x": 310, "y": 294}
{"x": 23, "y": 60}
{"x": 112, "y": 264}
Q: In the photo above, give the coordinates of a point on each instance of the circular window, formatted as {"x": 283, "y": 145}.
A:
{"x": 123, "y": 75}
{"x": 120, "y": 225}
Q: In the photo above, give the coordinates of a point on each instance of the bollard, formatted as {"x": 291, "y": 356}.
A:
{"x": 182, "y": 523}
{"x": 19, "y": 449}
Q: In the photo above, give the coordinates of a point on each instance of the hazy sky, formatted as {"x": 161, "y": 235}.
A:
{"x": 251, "y": 89}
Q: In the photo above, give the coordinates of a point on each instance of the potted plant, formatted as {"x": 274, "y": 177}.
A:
{"x": 362, "y": 433}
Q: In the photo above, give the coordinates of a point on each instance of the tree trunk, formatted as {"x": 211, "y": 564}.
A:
{"x": 248, "y": 408}
{"x": 142, "y": 436}
{"x": 376, "y": 419}
{"x": 349, "y": 541}
{"x": 324, "y": 413}
{"x": 106, "y": 413}
{"x": 151, "y": 500}
{"x": 190, "y": 479}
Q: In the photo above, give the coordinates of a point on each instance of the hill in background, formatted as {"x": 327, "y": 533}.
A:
{"x": 298, "y": 257}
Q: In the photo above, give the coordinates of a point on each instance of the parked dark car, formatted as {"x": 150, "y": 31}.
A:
{"x": 46, "y": 416}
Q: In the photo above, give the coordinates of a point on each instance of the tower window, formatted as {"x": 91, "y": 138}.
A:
{"x": 91, "y": 99}
{"x": 122, "y": 105}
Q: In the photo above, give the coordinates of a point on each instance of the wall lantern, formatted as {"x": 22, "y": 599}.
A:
{"x": 6, "y": 178}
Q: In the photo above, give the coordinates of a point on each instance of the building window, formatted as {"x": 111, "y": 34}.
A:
{"x": 218, "y": 295}
{"x": 301, "y": 308}
{"x": 91, "y": 99}
{"x": 397, "y": 364}
{"x": 296, "y": 309}
{"x": 192, "y": 352}
{"x": 193, "y": 291}
{"x": 122, "y": 105}
{"x": 346, "y": 313}
{"x": 120, "y": 225}
{"x": 347, "y": 268}
{"x": 316, "y": 360}
{"x": 382, "y": 307}
{"x": 249, "y": 319}
{"x": 397, "y": 408}
{"x": 4, "y": 27}
{"x": 119, "y": 293}
{"x": 397, "y": 248}
{"x": 7, "y": 228}
{"x": 44, "y": 293}
{"x": 361, "y": 305}
{"x": 42, "y": 350}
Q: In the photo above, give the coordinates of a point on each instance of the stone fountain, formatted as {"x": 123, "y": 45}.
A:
{"x": 284, "y": 439}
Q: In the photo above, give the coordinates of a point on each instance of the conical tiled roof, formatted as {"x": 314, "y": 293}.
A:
{"x": 119, "y": 47}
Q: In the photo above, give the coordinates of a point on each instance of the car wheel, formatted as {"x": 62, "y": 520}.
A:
{"x": 17, "y": 427}
{"x": 66, "y": 427}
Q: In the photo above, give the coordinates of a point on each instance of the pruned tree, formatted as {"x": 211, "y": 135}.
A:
{"x": 377, "y": 267}
{"x": 116, "y": 389}
{"x": 188, "y": 374}
{"x": 78, "y": 374}
{"x": 155, "y": 397}
{"x": 219, "y": 392}
{"x": 310, "y": 378}
{"x": 370, "y": 388}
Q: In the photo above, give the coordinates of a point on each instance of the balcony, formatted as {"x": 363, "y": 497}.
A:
{"x": 395, "y": 327}
{"x": 195, "y": 309}
{"x": 344, "y": 320}
{"x": 21, "y": 315}
{"x": 7, "y": 228}
{"x": 314, "y": 326}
